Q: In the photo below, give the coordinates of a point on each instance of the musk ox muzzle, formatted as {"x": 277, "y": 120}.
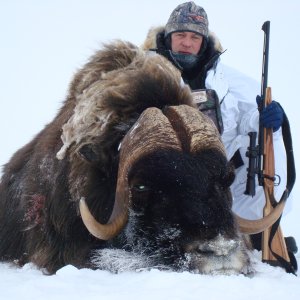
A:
{"x": 173, "y": 198}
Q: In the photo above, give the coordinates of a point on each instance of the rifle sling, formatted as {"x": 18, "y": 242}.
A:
{"x": 287, "y": 139}
{"x": 290, "y": 267}
{"x": 236, "y": 159}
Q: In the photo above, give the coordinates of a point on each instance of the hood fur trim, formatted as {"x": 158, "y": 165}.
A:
{"x": 150, "y": 42}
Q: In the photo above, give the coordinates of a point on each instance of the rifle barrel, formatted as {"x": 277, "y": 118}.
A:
{"x": 264, "y": 85}
{"x": 265, "y": 63}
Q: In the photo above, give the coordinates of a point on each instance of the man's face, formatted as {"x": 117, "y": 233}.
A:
{"x": 186, "y": 42}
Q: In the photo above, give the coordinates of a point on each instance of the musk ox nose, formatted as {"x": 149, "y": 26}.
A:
{"x": 220, "y": 255}
{"x": 216, "y": 247}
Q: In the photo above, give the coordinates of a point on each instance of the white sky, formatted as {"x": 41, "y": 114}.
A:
{"x": 43, "y": 43}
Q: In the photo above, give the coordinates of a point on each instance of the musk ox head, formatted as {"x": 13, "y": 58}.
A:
{"x": 173, "y": 197}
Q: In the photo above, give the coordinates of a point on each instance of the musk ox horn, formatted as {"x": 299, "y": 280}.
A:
{"x": 202, "y": 134}
{"x": 102, "y": 231}
{"x": 152, "y": 131}
{"x": 260, "y": 225}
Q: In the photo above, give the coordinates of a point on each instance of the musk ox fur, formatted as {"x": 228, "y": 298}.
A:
{"x": 128, "y": 175}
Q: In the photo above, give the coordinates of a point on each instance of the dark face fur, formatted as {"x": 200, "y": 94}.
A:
{"x": 180, "y": 216}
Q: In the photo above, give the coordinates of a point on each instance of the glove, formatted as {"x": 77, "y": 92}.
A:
{"x": 272, "y": 115}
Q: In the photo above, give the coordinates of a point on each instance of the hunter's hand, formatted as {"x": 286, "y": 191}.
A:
{"x": 272, "y": 115}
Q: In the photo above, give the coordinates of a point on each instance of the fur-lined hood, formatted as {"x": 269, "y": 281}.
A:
{"x": 151, "y": 39}
{"x": 194, "y": 77}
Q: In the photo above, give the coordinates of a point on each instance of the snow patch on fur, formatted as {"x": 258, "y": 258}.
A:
{"x": 118, "y": 260}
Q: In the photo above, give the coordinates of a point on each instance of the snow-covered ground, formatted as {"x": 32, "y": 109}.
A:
{"x": 71, "y": 283}
{"x": 42, "y": 45}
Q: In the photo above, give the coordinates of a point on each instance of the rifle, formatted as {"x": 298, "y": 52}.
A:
{"x": 262, "y": 164}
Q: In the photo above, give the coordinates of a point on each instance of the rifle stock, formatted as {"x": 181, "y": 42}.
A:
{"x": 278, "y": 244}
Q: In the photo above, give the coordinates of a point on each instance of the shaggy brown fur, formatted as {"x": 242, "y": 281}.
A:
{"x": 76, "y": 155}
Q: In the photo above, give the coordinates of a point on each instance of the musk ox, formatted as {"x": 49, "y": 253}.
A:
{"x": 128, "y": 175}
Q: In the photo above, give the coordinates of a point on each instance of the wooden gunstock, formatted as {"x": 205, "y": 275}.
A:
{"x": 278, "y": 244}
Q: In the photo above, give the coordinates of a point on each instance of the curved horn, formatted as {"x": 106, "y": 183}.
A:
{"x": 100, "y": 231}
{"x": 202, "y": 134}
{"x": 151, "y": 132}
{"x": 256, "y": 226}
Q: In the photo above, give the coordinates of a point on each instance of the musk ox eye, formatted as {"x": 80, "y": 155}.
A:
{"x": 141, "y": 188}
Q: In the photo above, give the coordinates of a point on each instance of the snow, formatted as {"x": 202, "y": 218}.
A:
{"x": 71, "y": 283}
{"x": 43, "y": 43}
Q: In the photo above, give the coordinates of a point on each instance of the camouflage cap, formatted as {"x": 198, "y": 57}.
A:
{"x": 188, "y": 17}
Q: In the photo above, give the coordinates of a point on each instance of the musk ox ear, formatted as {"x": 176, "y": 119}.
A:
{"x": 221, "y": 170}
{"x": 227, "y": 175}
{"x": 224, "y": 173}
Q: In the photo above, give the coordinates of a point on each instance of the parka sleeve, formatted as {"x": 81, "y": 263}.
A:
{"x": 244, "y": 89}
